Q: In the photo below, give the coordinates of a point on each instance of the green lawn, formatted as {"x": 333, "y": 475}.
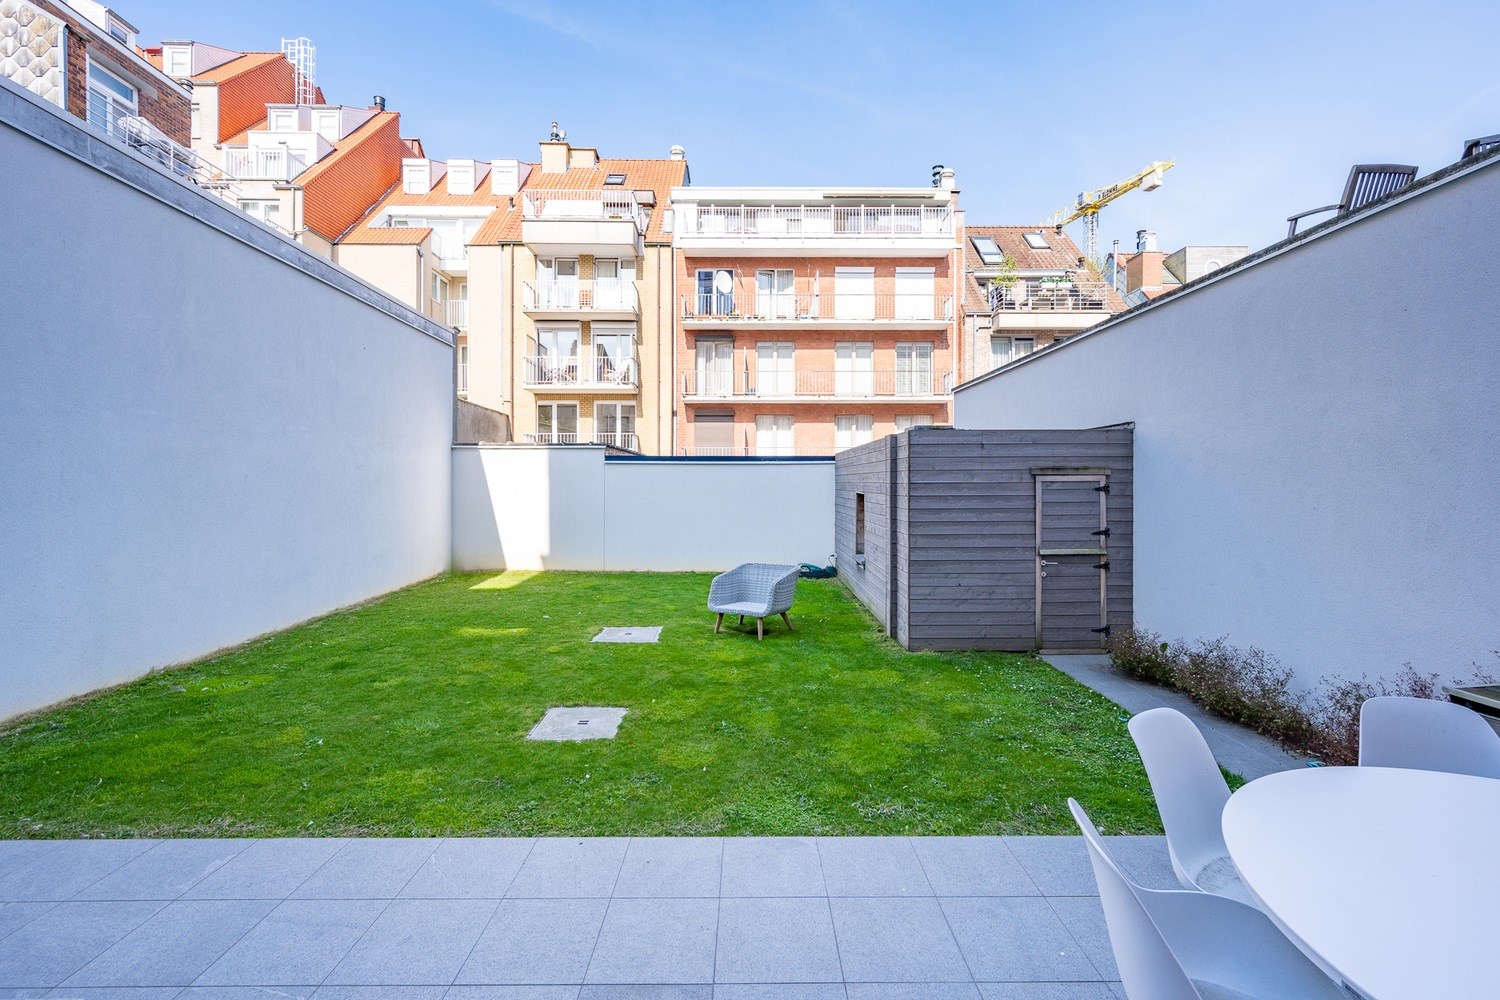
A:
{"x": 407, "y": 716}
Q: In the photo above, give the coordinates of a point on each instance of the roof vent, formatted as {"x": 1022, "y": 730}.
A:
{"x": 1145, "y": 239}
{"x": 378, "y": 103}
{"x": 677, "y": 152}
{"x": 937, "y": 174}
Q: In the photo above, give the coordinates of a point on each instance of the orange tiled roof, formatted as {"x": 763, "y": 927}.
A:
{"x": 340, "y": 188}
{"x": 387, "y": 235}
{"x": 363, "y": 232}
{"x": 657, "y": 176}
{"x": 1063, "y": 255}
{"x": 246, "y": 85}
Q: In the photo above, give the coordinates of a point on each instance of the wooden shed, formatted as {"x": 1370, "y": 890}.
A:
{"x": 989, "y": 539}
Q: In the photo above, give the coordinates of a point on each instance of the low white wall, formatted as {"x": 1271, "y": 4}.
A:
{"x": 207, "y": 433}
{"x": 1316, "y": 440}
{"x": 523, "y": 507}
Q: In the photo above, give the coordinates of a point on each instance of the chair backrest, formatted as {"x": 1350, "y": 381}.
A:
{"x": 1483, "y": 144}
{"x": 1427, "y": 735}
{"x": 1147, "y": 966}
{"x": 1190, "y": 789}
{"x": 1372, "y": 181}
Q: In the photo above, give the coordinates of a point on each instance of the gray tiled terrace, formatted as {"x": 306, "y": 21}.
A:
{"x": 1001, "y": 918}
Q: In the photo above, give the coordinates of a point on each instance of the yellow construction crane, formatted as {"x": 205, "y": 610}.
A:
{"x": 1089, "y": 202}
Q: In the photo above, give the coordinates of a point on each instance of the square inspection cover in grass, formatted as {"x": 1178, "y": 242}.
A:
{"x": 631, "y": 633}
{"x": 562, "y": 725}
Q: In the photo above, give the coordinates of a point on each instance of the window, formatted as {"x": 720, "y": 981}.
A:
{"x": 715, "y": 366}
{"x": 854, "y": 293}
{"x": 110, "y": 99}
{"x": 915, "y": 291}
{"x": 906, "y": 421}
{"x": 914, "y": 369}
{"x": 439, "y": 288}
{"x": 614, "y": 180}
{"x": 614, "y": 284}
{"x": 1004, "y": 350}
{"x": 416, "y": 176}
{"x": 284, "y": 120}
{"x": 614, "y": 354}
{"x": 326, "y": 124}
{"x": 558, "y": 343}
{"x": 859, "y": 524}
{"x": 852, "y": 430}
{"x": 1037, "y": 241}
{"x": 557, "y": 283}
{"x": 197, "y": 120}
{"x": 178, "y": 60}
{"x": 556, "y": 423}
{"x": 774, "y": 297}
{"x": 713, "y": 434}
{"x": 715, "y": 292}
{"x": 265, "y": 211}
{"x": 773, "y": 435}
{"x": 989, "y": 251}
{"x": 461, "y": 174}
{"x": 614, "y": 423}
{"x": 854, "y": 369}
{"x": 775, "y": 371}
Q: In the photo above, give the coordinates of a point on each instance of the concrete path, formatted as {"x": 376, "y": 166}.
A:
{"x": 1243, "y": 751}
{"x": 1002, "y": 918}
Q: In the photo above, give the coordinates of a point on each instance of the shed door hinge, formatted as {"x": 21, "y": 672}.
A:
{"x": 1102, "y": 489}
{"x": 1104, "y": 565}
{"x": 1102, "y": 532}
{"x": 1104, "y": 631}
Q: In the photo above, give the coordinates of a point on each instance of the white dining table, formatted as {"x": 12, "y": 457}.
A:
{"x": 1390, "y": 876}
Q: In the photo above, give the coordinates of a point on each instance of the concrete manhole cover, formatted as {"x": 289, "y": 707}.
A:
{"x": 568, "y": 725}
{"x": 631, "y": 633}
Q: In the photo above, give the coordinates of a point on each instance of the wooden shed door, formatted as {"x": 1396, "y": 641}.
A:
{"x": 1072, "y": 558}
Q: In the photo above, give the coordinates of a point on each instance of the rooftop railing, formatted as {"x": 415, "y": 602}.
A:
{"x": 832, "y": 221}
{"x": 138, "y": 134}
{"x": 263, "y": 164}
{"x": 751, "y": 383}
{"x": 584, "y": 206}
{"x": 1050, "y": 295}
{"x": 747, "y": 303}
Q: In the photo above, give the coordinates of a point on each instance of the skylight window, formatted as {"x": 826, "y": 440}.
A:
{"x": 989, "y": 251}
{"x": 1037, "y": 241}
{"x": 615, "y": 180}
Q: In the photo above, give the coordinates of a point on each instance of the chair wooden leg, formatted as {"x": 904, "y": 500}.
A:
{"x": 742, "y": 621}
{"x": 720, "y": 622}
{"x": 760, "y": 628}
{"x": 787, "y": 620}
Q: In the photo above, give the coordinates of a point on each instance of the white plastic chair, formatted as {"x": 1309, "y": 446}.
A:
{"x": 1427, "y": 735}
{"x": 1172, "y": 944}
{"x": 1190, "y": 795}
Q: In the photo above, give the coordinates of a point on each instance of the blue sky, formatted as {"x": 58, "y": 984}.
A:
{"x": 1264, "y": 106}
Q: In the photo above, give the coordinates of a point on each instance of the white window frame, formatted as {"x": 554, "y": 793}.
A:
{"x": 916, "y": 292}
{"x": 776, "y": 293}
{"x": 1013, "y": 351}
{"x": 854, "y": 368}
{"x": 463, "y": 369}
{"x": 281, "y": 120}
{"x": 775, "y": 434}
{"x": 906, "y": 421}
{"x": 170, "y": 63}
{"x": 553, "y": 406}
{"x": 267, "y": 210}
{"x": 850, "y": 430}
{"x": 603, "y": 408}
{"x": 775, "y": 368}
{"x": 854, "y": 293}
{"x": 107, "y": 100}
{"x": 914, "y": 368}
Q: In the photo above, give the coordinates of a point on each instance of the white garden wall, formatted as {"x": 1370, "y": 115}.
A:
{"x": 568, "y": 507}
{"x": 1316, "y": 440}
{"x": 207, "y": 433}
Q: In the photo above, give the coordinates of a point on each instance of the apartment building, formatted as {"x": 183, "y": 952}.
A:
{"x": 283, "y": 153}
{"x": 82, "y": 57}
{"x": 557, "y": 275}
{"x": 1025, "y": 287}
{"x": 813, "y": 319}
{"x": 1149, "y": 272}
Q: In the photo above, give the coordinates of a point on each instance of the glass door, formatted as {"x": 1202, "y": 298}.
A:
{"x": 854, "y": 369}
{"x": 715, "y": 367}
{"x": 614, "y": 357}
{"x": 773, "y": 435}
{"x": 614, "y": 423}
{"x": 914, "y": 369}
{"x": 774, "y": 297}
{"x": 775, "y": 374}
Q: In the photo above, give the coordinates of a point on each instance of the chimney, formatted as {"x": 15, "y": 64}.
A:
{"x": 1145, "y": 239}
{"x": 505, "y": 177}
{"x": 946, "y": 179}
{"x": 379, "y": 103}
{"x": 583, "y": 157}
{"x": 677, "y": 153}
{"x": 554, "y": 156}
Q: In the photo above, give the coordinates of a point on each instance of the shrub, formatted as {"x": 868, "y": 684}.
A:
{"x": 1251, "y": 688}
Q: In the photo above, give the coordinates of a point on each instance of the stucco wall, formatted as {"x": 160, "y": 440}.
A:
{"x": 207, "y": 433}
{"x": 1316, "y": 435}
{"x": 579, "y": 511}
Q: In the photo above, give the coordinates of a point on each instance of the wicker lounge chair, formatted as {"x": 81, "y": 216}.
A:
{"x": 754, "y": 590}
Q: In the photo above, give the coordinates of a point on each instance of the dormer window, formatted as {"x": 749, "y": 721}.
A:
{"x": 281, "y": 121}
{"x": 326, "y": 124}
{"x": 178, "y": 60}
{"x": 1037, "y": 241}
{"x": 460, "y": 176}
{"x": 416, "y": 176}
{"x": 615, "y": 180}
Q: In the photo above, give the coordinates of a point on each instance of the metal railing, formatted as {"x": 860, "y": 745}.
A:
{"x": 550, "y": 370}
{"x": 846, "y": 384}
{"x": 585, "y": 206}
{"x": 747, "y": 304}
{"x": 463, "y": 377}
{"x": 553, "y": 437}
{"x": 458, "y": 313}
{"x": 597, "y": 295}
{"x": 138, "y": 134}
{"x": 823, "y": 221}
{"x": 263, "y": 164}
{"x": 708, "y": 451}
{"x": 618, "y": 439}
{"x": 1044, "y": 295}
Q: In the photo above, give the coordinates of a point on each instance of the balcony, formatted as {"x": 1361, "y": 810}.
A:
{"x": 553, "y": 437}
{"x": 612, "y": 439}
{"x": 816, "y": 230}
{"x": 458, "y": 314}
{"x": 601, "y": 298}
{"x": 569, "y": 223}
{"x": 551, "y": 373}
{"x": 1052, "y": 303}
{"x": 451, "y": 253}
{"x": 708, "y": 451}
{"x": 746, "y": 306}
{"x": 262, "y": 164}
{"x": 800, "y": 386}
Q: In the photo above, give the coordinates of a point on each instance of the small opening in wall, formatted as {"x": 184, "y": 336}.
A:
{"x": 859, "y": 524}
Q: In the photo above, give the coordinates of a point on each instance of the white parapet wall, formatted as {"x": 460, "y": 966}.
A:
{"x": 207, "y": 433}
{"x": 569, "y": 507}
{"x": 1317, "y": 439}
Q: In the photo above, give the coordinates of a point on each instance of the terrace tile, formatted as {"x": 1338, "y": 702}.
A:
{"x": 415, "y": 942}
{"x": 972, "y": 866}
{"x": 772, "y": 866}
{"x": 872, "y": 866}
{"x": 1016, "y": 939}
{"x": 175, "y": 945}
{"x": 367, "y": 869}
{"x": 1058, "y": 865}
{"x": 583, "y": 868}
{"x": 776, "y": 941}
{"x": 298, "y": 942}
{"x": 166, "y": 871}
{"x": 73, "y": 866}
{"x": 536, "y": 941}
{"x": 267, "y": 869}
{"x": 469, "y": 868}
{"x": 59, "y": 942}
{"x": 896, "y": 941}
{"x": 671, "y": 866}
{"x": 656, "y": 941}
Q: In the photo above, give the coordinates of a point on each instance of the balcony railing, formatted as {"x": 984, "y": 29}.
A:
{"x": 709, "y": 451}
{"x": 596, "y": 373}
{"x": 463, "y": 378}
{"x": 458, "y": 313}
{"x": 1044, "y": 295}
{"x": 747, "y": 304}
{"x": 618, "y": 439}
{"x": 564, "y": 295}
{"x": 584, "y": 206}
{"x": 812, "y": 221}
{"x": 802, "y": 384}
{"x": 146, "y": 139}
{"x": 553, "y": 437}
{"x": 262, "y": 164}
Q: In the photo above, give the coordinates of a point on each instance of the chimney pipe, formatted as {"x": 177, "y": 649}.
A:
{"x": 946, "y": 179}
{"x": 1145, "y": 240}
{"x": 677, "y": 152}
{"x": 379, "y": 103}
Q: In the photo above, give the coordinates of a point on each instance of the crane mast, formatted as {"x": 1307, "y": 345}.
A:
{"x": 1088, "y": 204}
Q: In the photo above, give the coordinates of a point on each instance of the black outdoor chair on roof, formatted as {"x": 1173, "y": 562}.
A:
{"x": 1367, "y": 182}
{"x": 1477, "y": 147}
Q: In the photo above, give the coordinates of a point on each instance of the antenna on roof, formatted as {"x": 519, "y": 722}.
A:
{"x": 303, "y": 55}
{"x": 558, "y": 135}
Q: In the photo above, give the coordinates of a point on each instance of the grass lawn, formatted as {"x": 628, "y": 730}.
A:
{"x": 407, "y": 716}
